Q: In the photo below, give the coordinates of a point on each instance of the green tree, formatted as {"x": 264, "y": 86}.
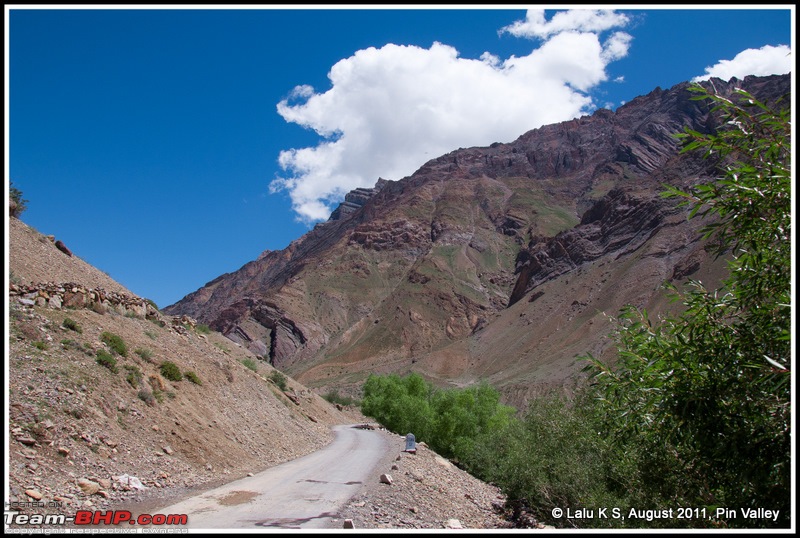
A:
{"x": 706, "y": 395}
{"x": 19, "y": 204}
{"x": 399, "y": 403}
{"x": 552, "y": 458}
{"x": 462, "y": 417}
{"x": 451, "y": 421}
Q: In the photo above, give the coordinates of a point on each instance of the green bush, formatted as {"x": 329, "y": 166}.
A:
{"x": 279, "y": 379}
{"x": 68, "y": 343}
{"x": 134, "y": 376}
{"x": 203, "y": 328}
{"x": 104, "y": 358}
{"x": 144, "y": 353}
{"x": 191, "y": 376}
{"x": 20, "y": 204}
{"x": 552, "y": 457}
{"x": 334, "y": 397}
{"x": 147, "y": 397}
{"x": 115, "y": 342}
{"x": 40, "y": 345}
{"x": 250, "y": 363}
{"x": 171, "y": 371}
{"x": 72, "y": 325}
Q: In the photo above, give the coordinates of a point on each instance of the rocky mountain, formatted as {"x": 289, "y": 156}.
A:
{"x": 500, "y": 263}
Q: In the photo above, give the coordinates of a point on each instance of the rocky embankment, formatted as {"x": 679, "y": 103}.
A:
{"x": 423, "y": 490}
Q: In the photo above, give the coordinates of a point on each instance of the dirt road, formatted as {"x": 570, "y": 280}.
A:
{"x": 305, "y": 493}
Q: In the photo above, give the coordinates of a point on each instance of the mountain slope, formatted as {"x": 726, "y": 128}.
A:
{"x": 72, "y": 419}
{"x": 493, "y": 263}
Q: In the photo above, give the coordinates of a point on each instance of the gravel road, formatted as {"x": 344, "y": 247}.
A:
{"x": 306, "y": 493}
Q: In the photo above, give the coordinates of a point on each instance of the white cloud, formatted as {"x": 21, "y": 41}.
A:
{"x": 581, "y": 20}
{"x": 390, "y": 109}
{"x": 767, "y": 60}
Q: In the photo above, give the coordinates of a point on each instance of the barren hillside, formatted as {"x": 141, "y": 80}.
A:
{"x": 84, "y": 435}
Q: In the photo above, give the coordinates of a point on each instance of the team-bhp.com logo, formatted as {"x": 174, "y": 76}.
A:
{"x": 95, "y": 518}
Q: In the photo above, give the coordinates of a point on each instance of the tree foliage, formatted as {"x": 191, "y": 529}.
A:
{"x": 19, "y": 204}
{"x": 553, "y": 458}
{"x": 451, "y": 421}
{"x": 707, "y": 394}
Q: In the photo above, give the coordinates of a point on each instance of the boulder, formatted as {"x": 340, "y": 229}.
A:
{"x": 453, "y": 524}
{"x": 88, "y": 487}
{"x": 34, "y": 494}
{"x": 63, "y": 248}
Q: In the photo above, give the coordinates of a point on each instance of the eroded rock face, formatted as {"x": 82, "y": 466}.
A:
{"x": 355, "y": 200}
{"x": 417, "y": 273}
{"x": 620, "y": 223}
{"x": 397, "y": 235}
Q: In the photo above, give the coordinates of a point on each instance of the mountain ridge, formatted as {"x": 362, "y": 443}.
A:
{"x": 415, "y": 277}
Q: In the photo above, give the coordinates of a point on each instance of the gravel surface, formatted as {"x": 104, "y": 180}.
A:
{"x": 426, "y": 492}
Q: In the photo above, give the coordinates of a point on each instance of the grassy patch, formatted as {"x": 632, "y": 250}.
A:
{"x": 171, "y": 371}
{"x": 104, "y": 358}
{"x": 144, "y": 353}
{"x": 250, "y": 363}
{"x": 134, "y": 376}
{"x": 115, "y": 342}
{"x": 334, "y": 397}
{"x": 72, "y": 325}
{"x": 147, "y": 397}
{"x": 68, "y": 343}
{"x": 279, "y": 379}
{"x": 191, "y": 376}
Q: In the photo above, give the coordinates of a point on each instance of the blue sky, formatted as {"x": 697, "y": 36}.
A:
{"x": 169, "y": 146}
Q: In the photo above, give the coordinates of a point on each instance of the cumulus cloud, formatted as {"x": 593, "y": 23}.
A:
{"x": 767, "y": 60}
{"x": 390, "y": 109}
{"x": 581, "y": 20}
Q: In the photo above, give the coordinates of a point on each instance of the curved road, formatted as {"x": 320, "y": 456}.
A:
{"x": 305, "y": 493}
